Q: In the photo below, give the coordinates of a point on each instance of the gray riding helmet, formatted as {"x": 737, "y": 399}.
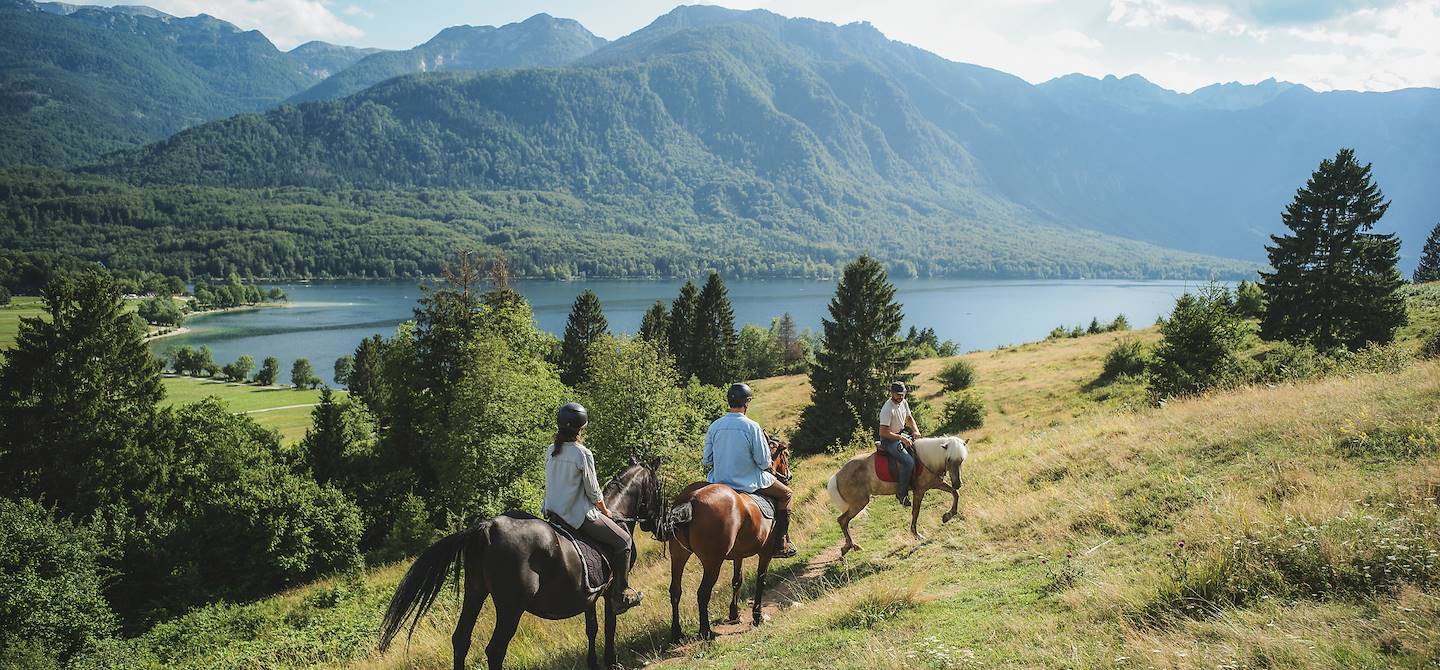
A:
{"x": 739, "y": 395}
{"x": 571, "y": 416}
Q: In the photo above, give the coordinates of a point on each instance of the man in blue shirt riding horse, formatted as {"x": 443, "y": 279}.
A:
{"x": 739, "y": 456}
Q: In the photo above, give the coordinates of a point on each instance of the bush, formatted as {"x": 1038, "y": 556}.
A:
{"x": 964, "y": 410}
{"x": 1379, "y": 358}
{"x": 1120, "y": 323}
{"x": 1200, "y": 345}
{"x": 410, "y": 533}
{"x": 1249, "y": 300}
{"x": 1126, "y": 358}
{"x": 957, "y": 376}
{"x": 1431, "y": 348}
{"x": 50, "y": 597}
{"x": 4, "y": 296}
{"x": 1289, "y": 362}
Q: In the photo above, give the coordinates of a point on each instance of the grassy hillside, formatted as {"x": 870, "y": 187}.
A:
{"x": 1307, "y": 516}
{"x": 10, "y": 315}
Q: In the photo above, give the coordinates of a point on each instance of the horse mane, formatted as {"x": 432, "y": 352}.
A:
{"x": 941, "y": 451}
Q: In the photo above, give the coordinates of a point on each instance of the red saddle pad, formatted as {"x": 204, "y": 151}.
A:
{"x": 886, "y": 471}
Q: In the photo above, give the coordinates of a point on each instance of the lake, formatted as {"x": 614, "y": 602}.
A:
{"x": 326, "y": 320}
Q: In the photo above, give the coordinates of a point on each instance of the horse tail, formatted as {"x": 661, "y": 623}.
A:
{"x": 833, "y": 488}
{"x": 425, "y": 579}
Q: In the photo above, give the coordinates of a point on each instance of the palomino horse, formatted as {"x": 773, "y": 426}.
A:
{"x": 725, "y": 525}
{"x": 850, "y": 488}
{"x": 526, "y": 566}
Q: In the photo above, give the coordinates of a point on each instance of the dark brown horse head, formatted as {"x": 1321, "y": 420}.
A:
{"x": 635, "y": 492}
{"x": 779, "y": 457}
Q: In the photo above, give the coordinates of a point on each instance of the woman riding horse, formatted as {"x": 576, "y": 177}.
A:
{"x": 524, "y": 564}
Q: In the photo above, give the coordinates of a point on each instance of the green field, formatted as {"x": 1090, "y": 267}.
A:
{"x": 285, "y": 409}
{"x": 10, "y": 315}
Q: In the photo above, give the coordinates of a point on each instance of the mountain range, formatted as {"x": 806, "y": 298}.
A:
{"x": 797, "y": 136}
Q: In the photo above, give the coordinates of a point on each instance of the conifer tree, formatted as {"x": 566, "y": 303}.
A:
{"x": 585, "y": 326}
{"x": 1429, "y": 267}
{"x": 713, "y": 340}
{"x": 655, "y": 327}
{"x": 1333, "y": 283}
{"x": 682, "y": 321}
{"x": 78, "y": 392}
{"x": 326, "y": 441}
{"x": 366, "y": 379}
{"x": 860, "y": 354}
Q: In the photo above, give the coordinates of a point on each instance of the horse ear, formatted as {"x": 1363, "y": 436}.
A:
{"x": 654, "y": 463}
{"x": 634, "y": 460}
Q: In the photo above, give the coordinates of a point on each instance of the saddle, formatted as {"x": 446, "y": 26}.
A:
{"x": 683, "y": 513}
{"x": 886, "y": 470}
{"x": 595, "y": 566}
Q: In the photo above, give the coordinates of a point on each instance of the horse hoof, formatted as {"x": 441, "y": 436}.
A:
{"x": 707, "y": 635}
{"x": 947, "y": 517}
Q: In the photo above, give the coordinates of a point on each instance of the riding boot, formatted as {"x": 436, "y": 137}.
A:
{"x": 780, "y": 546}
{"x": 620, "y": 593}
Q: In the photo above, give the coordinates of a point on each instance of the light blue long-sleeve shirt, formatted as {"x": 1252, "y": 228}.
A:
{"x": 737, "y": 453}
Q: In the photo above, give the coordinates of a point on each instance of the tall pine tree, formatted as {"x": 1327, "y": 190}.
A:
{"x": 860, "y": 354}
{"x": 655, "y": 327}
{"x": 713, "y": 340}
{"x": 78, "y": 396}
{"x": 1429, "y": 268}
{"x": 1334, "y": 283}
{"x": 682, "y": 322}
{"x": 586, "y": 324}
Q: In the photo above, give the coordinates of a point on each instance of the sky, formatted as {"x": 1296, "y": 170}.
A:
{"x": 1376, "y": 45}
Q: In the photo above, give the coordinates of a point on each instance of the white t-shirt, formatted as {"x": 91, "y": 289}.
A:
{"x": 894, "y": 415}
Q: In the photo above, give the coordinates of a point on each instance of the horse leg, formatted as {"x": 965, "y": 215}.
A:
{"x": 849, "y": 514}
{"x": 707, "y": 585}
{"x": 592, "y": 626}
{"x": 915, "y": 513}
{"x": 954, "y": 501}
{"x": 679, "y": 555}
{"x": 736, "y": 582}
{"x": 761, "y": 571}
{"x": 507, "y": 619}
{"x": 475, "y": 595}
{"x": 610, "y": 634}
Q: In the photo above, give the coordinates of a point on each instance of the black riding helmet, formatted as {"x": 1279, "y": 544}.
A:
{"x": 571, "y": 416}
{"x": 739, "y": 395}
{"x": 898, "y": 387}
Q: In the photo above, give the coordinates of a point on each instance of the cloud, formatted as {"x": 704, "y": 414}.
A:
{"x": 1165, "y": 14}
{"x": 357, "y": 10}
{"x": 286, "y": 22}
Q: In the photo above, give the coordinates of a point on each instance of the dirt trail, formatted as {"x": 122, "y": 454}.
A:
{"x": 782, "y": 595}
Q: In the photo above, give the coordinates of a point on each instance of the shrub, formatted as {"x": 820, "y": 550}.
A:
{"x": 1379, "y": 358}
{"x": 410, "y": 533}
{"x": 1200, "y": 345}
{"x": 4, "y": 296}
{"x": 964, "y": 410}
{"x": 1289, "y": 362}
{"x": 1058, "y": 333}
{"x": 1249, "y": 300}
{"x": 49, "y": 588}
{"x": 1431, "y": 348}
{"x": 1120, "y": 323}
{"x": 957, "y": 376}
{"x": 1126, "y": 358}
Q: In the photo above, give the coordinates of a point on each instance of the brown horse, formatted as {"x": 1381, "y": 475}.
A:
{"x": 724, "y": 525}
{"x": 850, "y": 488}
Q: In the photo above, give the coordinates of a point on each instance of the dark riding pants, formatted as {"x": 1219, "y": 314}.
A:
{"x": 604, "y": 530}
{"x": 904, "y": 461}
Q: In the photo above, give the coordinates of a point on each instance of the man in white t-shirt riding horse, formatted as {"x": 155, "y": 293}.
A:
{"x": 895, "y": 417}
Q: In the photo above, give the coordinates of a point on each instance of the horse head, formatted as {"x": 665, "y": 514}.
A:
{"x": 635, "y": 492}
{"x": 779, "y": 458}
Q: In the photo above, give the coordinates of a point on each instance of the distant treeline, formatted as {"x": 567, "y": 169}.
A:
{"x": 201, "y": 231}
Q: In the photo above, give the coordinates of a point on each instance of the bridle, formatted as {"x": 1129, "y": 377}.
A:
{"x": 649, "y": 509}
{"x": 779, "y": 452}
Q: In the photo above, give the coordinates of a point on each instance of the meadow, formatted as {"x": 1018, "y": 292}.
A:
{"x": 283, "y": 408}
{"x": 1285, "y": 525}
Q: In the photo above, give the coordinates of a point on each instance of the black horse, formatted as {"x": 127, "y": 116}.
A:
{"x": 522, "y": 563}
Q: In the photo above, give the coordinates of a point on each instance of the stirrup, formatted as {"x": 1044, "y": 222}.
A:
{"x": 630, "y": 598}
